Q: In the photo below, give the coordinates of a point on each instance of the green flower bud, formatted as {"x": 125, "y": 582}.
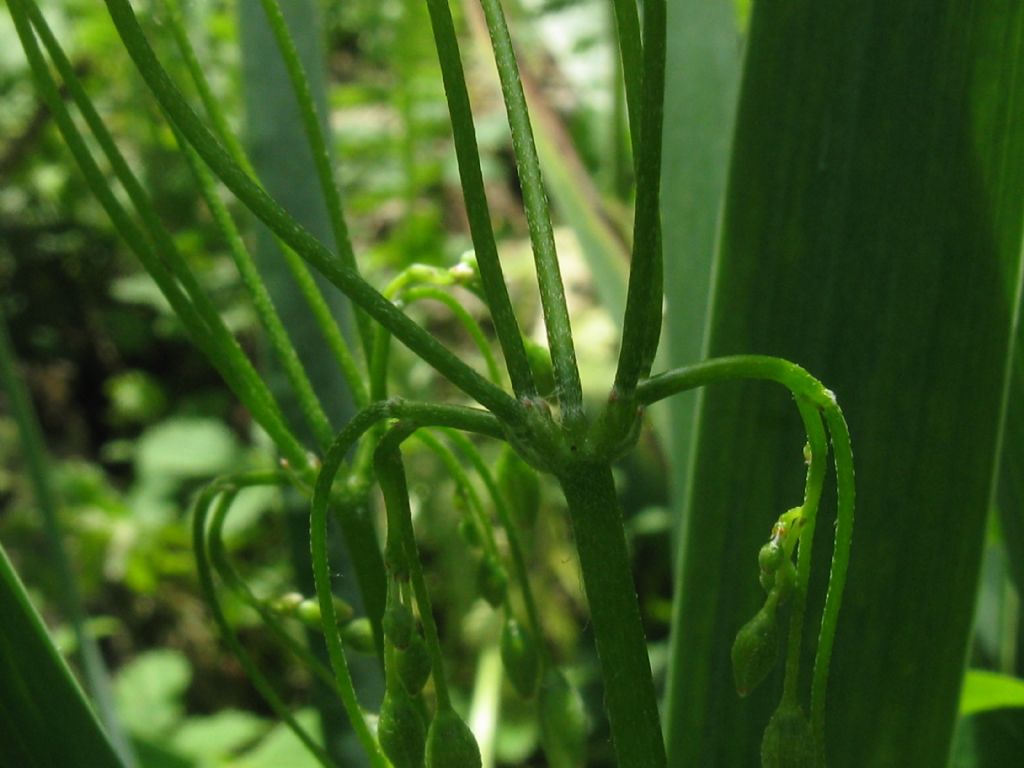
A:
{"x": 563, "y": 722}
{"x": 519, "y": 655}
{"x": 399, "y": 625}
{"x": 754, "y": 650}
{"x": 413, "y": 664}
{"x": 308, "y": 612}
{"x": 287, "y": 604}
{"x": 789, "y": 740}
{"x": 400, "y": 730}
{"x": 450, "y": 743}
{"x": 470, "y": 532}
{"x": 785, "y": 581}
{"x": 540, "y": 363}
{"x": 771, "y": 557}
{"x": 358, "y": 635}
{"x": 520, "y": 485}
{"x": 492, "y": 581}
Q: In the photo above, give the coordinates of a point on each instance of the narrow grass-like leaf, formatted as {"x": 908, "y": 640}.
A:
{"x": 44, "y": 717}
{"x": 94, "y": 671}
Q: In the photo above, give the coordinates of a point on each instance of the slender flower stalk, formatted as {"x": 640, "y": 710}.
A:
{"x": 326, "y": 322}
{"x": 220, "y": 348}
{"x": 627, "y": 22}
{"x": 309, "y": 403}
{"x": 307, "y": 246}
{"x": 641, "y": 326}
{"x": 252, "y": 669}
{"x": 538, "y": 217}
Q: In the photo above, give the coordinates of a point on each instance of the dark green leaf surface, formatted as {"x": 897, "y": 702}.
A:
{"x": 989, "y": 740}
{"x": 701, "y": 80}
{"x": 44, "y": 718}
{"x": 872, "y": 218}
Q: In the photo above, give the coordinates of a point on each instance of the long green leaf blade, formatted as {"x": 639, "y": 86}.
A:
{"x": 873, "y": 214}
{"x": 44, "y": 717}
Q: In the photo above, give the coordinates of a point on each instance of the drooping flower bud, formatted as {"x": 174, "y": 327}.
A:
{"x": 450, "y": 743}
{"x": 399, "y": 625}
{"x": 400, "y": 730}
{"x": 492, "y": 581}
{"x": 469, "y": 531}
{"x": 520, "y": 485}
{"x": 754, "y": 650}
{"x": 519, "y": 655}
{"x": 788, "y": 740}
{"x": 413, "y": 664}
{"x": 358, "y": 635}
{"x": 563, "y": 722}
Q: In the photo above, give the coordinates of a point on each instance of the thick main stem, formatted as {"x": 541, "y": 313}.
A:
{"x": 621, "y": 645}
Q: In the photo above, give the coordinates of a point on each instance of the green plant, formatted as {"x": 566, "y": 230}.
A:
{"x": 553, "y": 434}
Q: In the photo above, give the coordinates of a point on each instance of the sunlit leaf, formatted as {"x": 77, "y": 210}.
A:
{"x": 984, "y": 690}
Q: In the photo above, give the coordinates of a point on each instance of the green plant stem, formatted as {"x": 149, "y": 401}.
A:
{"x": 466, "y": 320}
{"x": 277, "y": 335}
{"x": 412, "y": 275}
{"x": 641, "y": 325}
{"x": 313, "y": 126}
{"x": 252, "y": 670}
{"x": 220, "y": 349}
{"x": 790, "y": 375}
{"x": 394, "y": 488}
{"x": 802, "y": 385}
{"x": 843, "y": 456}
{"x": 538, "y": 217}
{"x": 511, "y": 532}
{"x": 158, "y": 234}
{"x": 97, "y": 681}
{"x": 423, "y": 413}
{"x": 229, "y": 575}
{"x": 812, "y": 495}
{"x": 627, "y": 23}
{"x": 621, "y": 644}
{"x": 463, "y": 483}
{"x": 358, "y": 290}
{"x": 326, "y": 322}
{"x": 496, "y": 292}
